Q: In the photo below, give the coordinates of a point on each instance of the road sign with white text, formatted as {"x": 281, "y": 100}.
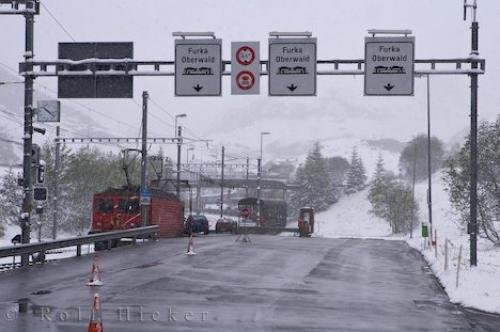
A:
{"x": 245, "y": 68}
{"x": 292, "y": 66}
{"x": 198, "y": 67}
{"x": 389, "y": 66}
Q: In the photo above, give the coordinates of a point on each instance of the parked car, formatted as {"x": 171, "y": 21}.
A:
{"x": 226, "y": 225}
{"x": 197, "y": 224}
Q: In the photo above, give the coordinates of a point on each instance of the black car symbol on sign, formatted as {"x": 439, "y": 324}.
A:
{"x": 292, "y": 71}
{"x": 205, "y": 71}
{"x": 397, "y": 70}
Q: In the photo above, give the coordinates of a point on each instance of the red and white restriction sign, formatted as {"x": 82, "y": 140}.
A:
{"x": 245, "y": 55}
{"x": 245, "y": 80}
{"x": 245, "y": 68}
{"x": 245, "y": 213}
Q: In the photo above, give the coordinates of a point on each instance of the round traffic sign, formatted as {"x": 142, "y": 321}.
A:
{"x": 245, "y": 55}
{"x": 245, "y": 80}
{"x": 245, "y": 213}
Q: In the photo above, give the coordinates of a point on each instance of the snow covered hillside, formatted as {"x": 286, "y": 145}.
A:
{"x": 350, "y": 217}
{"x": 478, "y": 286}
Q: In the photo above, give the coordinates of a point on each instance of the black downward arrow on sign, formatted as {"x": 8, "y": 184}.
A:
{"x": 197, "y": 87}
{"x": 388, "y": 87}
{"x": 292, "y": 87}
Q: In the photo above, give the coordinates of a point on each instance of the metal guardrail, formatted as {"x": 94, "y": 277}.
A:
{"x": 32, "y": 248}
{"x": 267, "y": 230}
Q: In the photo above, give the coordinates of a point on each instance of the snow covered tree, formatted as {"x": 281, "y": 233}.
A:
{"x": 393, "y": 201}
{"x": 376, "y": 194}
{"x": 414, "y": 157}
{"x": 457, "y": 177}
{"x": 11, "y": 196}
{"x": 356, "y": 175}
{"x": 315, "y": 183}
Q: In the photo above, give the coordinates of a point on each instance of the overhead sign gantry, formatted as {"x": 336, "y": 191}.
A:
{"x": 290, "y": 80}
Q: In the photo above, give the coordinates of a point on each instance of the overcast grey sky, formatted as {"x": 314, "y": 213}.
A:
{"x": 340, "y": 26}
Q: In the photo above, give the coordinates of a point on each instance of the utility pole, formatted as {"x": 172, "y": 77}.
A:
{"x": 248, "y": 173}
{"x": 222, "y": 185}
{"x": 414, "y": 177}
{"x": 198, "y": 192}
{"x": 57, "y": 167}
{"x": 179, "y": 145}
{"x": 429, "y": 146}
{"x": 28, "y": 135}
{"x": 259, "y": 175}
{"x": 144, "y": 160}
{"x": 473, "y": 132}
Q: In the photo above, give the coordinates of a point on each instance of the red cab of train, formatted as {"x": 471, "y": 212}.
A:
{"x": 306, "y": 222}
{"x": 119, "y": 209}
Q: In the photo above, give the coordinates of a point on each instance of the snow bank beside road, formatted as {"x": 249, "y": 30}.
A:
{"x": 350, "y": 217}
{"x": 478, "y": 286}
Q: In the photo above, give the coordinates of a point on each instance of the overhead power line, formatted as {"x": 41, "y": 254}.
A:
{"x": 58, "y": 22}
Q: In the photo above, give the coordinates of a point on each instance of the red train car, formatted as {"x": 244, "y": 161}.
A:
{"x": 118, "y": 209}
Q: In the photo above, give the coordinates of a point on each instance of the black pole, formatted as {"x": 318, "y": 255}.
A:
{"x": 248, "y": 171}
{"x": 222, "y": 185}
{"x": 56, "y": 182}
{"x": 429, "y": 164}
{"x": 28, "y": 137}
{"x": 179, "y": 144}
{"x": 414, "y": 177}
{"x": 259, "y": 175}
{"x": 144, "y": 163}
{"x": 473, "y": 147}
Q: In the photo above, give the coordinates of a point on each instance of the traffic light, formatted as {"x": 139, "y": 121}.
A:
{"x": 40, "y": 194}
{"x": 35, "y": 154}
{"x": 40, "y": 174}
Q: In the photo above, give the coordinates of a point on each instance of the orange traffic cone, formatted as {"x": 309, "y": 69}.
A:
{"x": 190, "y": 248}
{"x": 95, "y": 280}
{"x": 95, "y": 324}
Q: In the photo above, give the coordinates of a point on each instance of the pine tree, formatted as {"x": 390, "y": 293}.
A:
{"x": 376, "y": 194}
{"x": 315, "y": 183}
{"x": 356, "y": 175}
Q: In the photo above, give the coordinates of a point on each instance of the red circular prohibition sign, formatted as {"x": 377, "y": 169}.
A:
{"x": 245, "y": 80}
{"x": 245, "y": 213}
{"x": 243, "y": 58}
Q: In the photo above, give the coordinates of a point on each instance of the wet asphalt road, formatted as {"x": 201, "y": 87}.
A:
{"x": 271, "y": 284}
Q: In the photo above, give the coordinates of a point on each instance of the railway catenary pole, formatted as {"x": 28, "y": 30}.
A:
{"x": 179, "y": 145}
{"x": 247, "y": 176}
{"x": 473, "y": 132}
{"x": 57, "y": 166}
{"x": 222, "y": 184}
{"x": 259, "y": 174}
{"x": 144, "y": 152}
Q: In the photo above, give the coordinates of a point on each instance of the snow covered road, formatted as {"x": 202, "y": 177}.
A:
{"x": 272, "y": 284}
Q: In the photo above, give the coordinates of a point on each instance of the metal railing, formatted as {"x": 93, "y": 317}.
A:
{"x": 42, "y": 247}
